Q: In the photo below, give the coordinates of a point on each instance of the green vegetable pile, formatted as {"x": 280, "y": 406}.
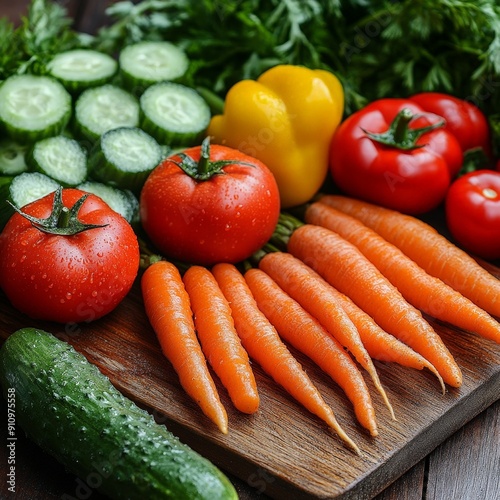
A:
{"x": 378, "y": 48}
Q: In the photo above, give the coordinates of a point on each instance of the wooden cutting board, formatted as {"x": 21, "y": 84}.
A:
{"x": 283, "y": 451}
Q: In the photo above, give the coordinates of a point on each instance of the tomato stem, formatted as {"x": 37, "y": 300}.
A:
{"x": 204, "y": 161}
{"x": 62, "y": 221}
{"x": 64, "y": 217}
{"x": 399, "y": 134}
{"x": 204, "y": 168}
{"x": 400, "y": 125}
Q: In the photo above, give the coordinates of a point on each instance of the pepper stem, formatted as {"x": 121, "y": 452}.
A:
{"x": 399, "y": 134}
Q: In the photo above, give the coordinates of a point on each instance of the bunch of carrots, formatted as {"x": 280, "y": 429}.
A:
{"x": 348, "y": 285}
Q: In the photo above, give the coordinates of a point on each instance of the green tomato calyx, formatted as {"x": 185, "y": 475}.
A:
{"x": 399, "y": 135}
{"x": 62, "y": 221}
{"x": 204, "y": 168}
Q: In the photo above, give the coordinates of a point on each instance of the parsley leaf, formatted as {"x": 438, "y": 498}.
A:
{"x": 44, "y": 31}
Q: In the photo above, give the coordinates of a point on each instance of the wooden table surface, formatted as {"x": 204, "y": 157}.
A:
{"x": 466, "y": 466}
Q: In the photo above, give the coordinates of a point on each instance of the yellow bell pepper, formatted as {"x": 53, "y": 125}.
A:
{"x": 286, "y": 119}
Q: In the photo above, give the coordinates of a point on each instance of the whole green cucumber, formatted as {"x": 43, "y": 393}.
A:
{"x": 72, "y": 411}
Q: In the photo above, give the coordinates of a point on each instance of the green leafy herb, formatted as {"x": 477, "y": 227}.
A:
{"x": 378, "y": 48}
{"x": 10, "y": 54}
{"x": 44, "y": 31}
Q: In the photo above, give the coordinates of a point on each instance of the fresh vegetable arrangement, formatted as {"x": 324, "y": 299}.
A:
{"x": 377, "y": 48}
{"x": 196, "y": 163}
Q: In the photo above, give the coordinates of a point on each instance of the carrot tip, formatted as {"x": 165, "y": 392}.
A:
{"x": 334, "y": 426}
{"x": 382, "y": 392}
{"x": 350, "y": 444}
{"x": 443, "y": 386}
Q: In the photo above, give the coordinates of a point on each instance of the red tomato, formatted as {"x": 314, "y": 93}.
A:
{"x": 394, "y": 154}
{"x": 463, "y": 119}
{"x": 473, "y": 213}
{"x": 68, "y": 278}
{"x": 223, "y": 208}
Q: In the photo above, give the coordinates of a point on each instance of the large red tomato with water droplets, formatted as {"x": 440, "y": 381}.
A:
{"x": 210, "y": 204}
{"x": 73, "y": 266}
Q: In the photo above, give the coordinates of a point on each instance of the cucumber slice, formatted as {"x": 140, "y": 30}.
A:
{"x": 104, "y": 108}
{"x": 61, "y": 158}
{"x": 31, "y": 186}
{"x": 174, "y": 114}
{"x": 80, "y": 69}
{"x": 12, "y": 157}
{"x": 144, "y": 63}
{"x": 33, "y": 107}
{"x": 21, "y": 190}
{"x": 124, "y": 157}
{"x": 121, "y": 201}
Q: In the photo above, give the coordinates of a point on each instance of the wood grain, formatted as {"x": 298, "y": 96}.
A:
{"x": 283, "y": 449}
{"x": 484, "y": 484}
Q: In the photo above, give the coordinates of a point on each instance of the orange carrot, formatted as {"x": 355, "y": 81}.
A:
{"x": 379, "y": 344}
{"x": 348, "y": 270}
{"x": 382, "y": 345}
{"x": 314, "y": 296}
{"x": 430, "y": 250}
{"x": 425, "y": 292}
{"x": 219, "y": 341}
{"x": 169, "y": 311}
{"x": 306, "y": 334}
{"x": 264, "y": 345}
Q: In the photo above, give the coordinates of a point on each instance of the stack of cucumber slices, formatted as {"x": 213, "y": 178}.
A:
{"x": 96, "y": 123}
